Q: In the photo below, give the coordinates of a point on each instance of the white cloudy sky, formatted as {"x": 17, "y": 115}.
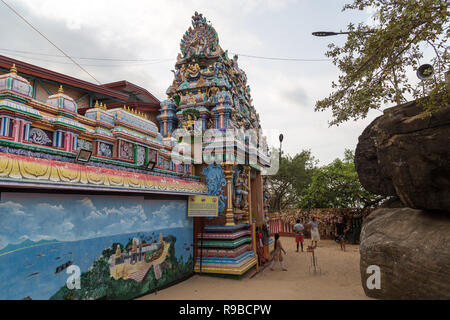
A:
{"x": 284, "y": 93}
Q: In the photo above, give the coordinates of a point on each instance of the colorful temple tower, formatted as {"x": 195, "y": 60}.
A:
{"x": 209, "y": 99}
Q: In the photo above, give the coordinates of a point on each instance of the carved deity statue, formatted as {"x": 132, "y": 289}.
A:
{"x": 211, "y": 123}
{"x": 193, "y": 70}
{"x": 189, "y": 123}
{"x": 241, "y": 190}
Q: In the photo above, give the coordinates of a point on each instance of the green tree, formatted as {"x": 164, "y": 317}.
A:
{"x": 292, "y": 177}
{"x": 336, "y": 185}
{"x": 375, "y": 61}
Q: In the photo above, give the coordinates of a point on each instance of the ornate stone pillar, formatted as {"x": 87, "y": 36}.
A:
{"x": 16, "y": 130}
{"x": 229, "y": 216}
{"x": 248, "y": 211}
{"x": 67, "y": 137}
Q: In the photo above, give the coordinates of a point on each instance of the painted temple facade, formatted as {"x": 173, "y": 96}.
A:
{"x": 59, "y": 214}
{"x": 122, "y": 141}
{"x": 104, "y": 213}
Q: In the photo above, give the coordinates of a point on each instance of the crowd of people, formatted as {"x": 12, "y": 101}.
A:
{"x": 325, "y": 222}
{"x": 311, "y": 225}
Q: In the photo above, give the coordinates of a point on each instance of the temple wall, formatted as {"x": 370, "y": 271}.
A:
{"x": 41, "y": 93}
{"x": 46, "y": 237}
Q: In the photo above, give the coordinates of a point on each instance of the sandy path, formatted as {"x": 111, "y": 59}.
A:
{"x": 340, "y": 279}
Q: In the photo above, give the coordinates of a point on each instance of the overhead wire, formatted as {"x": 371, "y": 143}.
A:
{"x": 159, "y": 59}
{"x": 85, "y": 58}
{"x": 89, "y": 65}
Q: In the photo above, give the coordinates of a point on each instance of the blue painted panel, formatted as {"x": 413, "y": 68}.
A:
{"x": 42, "y": 233}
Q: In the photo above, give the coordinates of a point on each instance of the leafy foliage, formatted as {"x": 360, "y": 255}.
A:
{"x": 293, "y": 176}
{"x": 375, "y": 61}
{"x": 337, "y": 186}
{"x": 192, "y": 112}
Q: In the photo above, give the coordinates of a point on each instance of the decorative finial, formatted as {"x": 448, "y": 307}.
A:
{"x": 96, "y": 104}
{"x": 13, "y": 69}
{"x": 60, "y": 90}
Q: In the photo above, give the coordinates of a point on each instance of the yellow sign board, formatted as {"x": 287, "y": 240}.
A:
{"x": 203, "y": 206}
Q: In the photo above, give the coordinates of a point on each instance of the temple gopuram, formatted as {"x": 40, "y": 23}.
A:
{"x": 210, "y": 90}
{"x": 90, "y": 175}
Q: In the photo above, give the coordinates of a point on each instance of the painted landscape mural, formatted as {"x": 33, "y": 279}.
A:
{"x": 123, "y": 246}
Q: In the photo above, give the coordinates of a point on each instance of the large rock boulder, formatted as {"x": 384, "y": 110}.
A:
{"x": 407, "y": 154}
{"x": 411, "y": 248}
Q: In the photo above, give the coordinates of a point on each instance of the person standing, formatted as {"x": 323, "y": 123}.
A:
{"x": 265, "y": 241}
{"x": 259, "y": 247}
{"x": 340, "y": 231}
{"x": 299, "y": 237}
{"x": 277, "y": 253}
{"x": 315, "y": 236}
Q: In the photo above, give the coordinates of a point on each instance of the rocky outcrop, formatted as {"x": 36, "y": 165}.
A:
{"x": 403, "y": 153}
{"x": 412, "y": 249}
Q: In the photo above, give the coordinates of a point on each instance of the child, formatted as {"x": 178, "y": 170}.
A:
{"x": 277, "y": 253}
{"x": 340, "y": 231}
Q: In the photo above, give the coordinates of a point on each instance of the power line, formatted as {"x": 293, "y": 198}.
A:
{"x": 18, "y": 14}
{"x": 88, "y": 65}
{"x": 84, "y": 58}
{"x": 161, "y": 59}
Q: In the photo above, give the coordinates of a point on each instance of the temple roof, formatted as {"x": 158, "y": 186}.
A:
{"x": 131, "y": 89}
{"x": 29, "y": 69}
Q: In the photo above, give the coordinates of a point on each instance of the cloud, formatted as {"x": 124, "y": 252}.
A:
{"x": 297, "y": 96}
{"x": 67, "y": 226}
{"x": 87, "y": 203}
{"x": 13, "y": 208}
{"x": 51, "y": 207}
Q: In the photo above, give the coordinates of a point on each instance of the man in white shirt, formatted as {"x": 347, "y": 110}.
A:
{"x": 299, "y": 237}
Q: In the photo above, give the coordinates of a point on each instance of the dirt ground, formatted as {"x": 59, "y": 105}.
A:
{"x": 339, "y": 279}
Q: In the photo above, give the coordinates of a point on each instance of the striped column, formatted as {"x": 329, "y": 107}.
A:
{"x": 5, "y": 126}
{"x": 75, "y": 142}
{"x": 58, "y": 139}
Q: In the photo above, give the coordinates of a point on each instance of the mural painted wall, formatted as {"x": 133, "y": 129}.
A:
{"x": 124, "y": 246}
